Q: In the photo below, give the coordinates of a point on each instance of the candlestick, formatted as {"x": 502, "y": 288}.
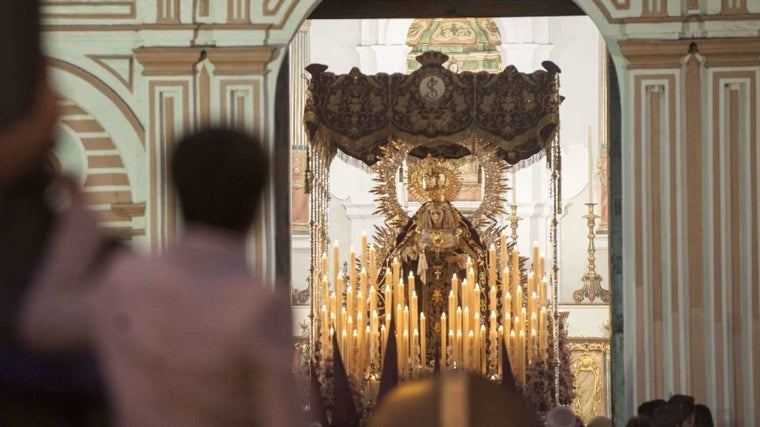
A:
{"x": 592, "y": 281}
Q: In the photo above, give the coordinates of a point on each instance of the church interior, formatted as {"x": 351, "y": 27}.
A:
{"x": 646, "y": 232}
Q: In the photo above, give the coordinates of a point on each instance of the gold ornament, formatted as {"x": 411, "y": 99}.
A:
{"x": 434, "y": 180}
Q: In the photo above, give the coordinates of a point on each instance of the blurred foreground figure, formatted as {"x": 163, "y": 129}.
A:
{"x": 36, "y": 389}
{"x": 452, "y": 400}
{"x": 191, "y": 338}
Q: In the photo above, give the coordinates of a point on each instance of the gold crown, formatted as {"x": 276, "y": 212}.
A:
{"x": 433, "y": 180}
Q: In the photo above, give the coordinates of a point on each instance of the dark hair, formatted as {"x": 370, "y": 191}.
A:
{"x": 647, "y": 408}
{"x": 219, "y": 175}
{"x": 667, "y": 415}
{"x": 639, "y": 421}
{"x": 684, "y": 403}
{"x": 702, "y": 416}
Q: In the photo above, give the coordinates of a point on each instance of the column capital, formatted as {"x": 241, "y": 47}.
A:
{"x": 240, "y": 60}
{"x": 168, "y": 61}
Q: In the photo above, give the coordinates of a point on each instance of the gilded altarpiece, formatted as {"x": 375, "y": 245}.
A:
{"x": 590, "y": 366}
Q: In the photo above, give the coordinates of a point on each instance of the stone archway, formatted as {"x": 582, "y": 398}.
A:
{"x": 106, "y": 183}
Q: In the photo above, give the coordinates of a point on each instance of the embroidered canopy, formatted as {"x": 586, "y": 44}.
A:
{"x": 438, "y": 111}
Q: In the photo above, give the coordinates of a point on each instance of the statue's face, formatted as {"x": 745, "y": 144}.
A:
{"x": 436, "y": 216}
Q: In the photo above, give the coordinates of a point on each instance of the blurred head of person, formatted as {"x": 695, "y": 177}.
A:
{"x": 685, "y": 404}
{"x": 455, "y": 399}
{"x": 639, "y": 421}
{"x": 219, "y": 175}
{"x": 702, "y": 416}
{"x": 647, "y": 408}
{"x": 561, "y": 416}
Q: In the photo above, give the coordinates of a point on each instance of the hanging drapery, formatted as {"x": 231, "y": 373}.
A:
{"x": 438, "y": 111}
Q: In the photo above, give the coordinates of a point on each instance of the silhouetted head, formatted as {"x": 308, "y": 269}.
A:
{"x": 219, "y": 175}
{"x": 667, "y": 415}
{"x": 561, "y": 416}
{"x": 685, "y": 404}
{"x": 647, "y": 408}
{"x": 639, "y": 421}
{"x": 702, "y": 416}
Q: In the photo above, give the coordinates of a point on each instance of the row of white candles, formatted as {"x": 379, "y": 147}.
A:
{"x": 352, "y": 310}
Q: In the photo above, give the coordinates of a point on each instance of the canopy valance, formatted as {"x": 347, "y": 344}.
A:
{"x": 436, "y": 110}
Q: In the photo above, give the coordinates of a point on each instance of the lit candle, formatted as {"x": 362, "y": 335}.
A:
{"x": 339, "y": 296}
{"x": 372, "y": 299}
{"x": 458, "y": 321}
{"x": 423, "y": 341}
{"x": 476, "y": 342}
{"x": 517, "y": 305}
{"x": 534, "y": 257}
{"x": 482, "y": 347}
{"x": 468, "y": 351}
{"x": 444, "y": 328}
{"x": 542, "y": 331}
{"x": 543, "y": 296}
{"x": 452, "y": 303}
{"x": 541, "y": 264}
{"x": 363, "y": 289}
{"x": 499, "y": 366}
{"x": 521, "y": 354}
{"x": 388, "y": 290}
{"x": 405, "y": 353}
{"x": 354, "y": 343}
{"x": 590, "y": 168}
{"x": 507, "y": 308}
{"x": 384, "y": 335}
{"x": 336, "y": 262}
{"x": 325, "y": 289}
{"x": 465, "y": 293}
{"x": 416, "y": 338}
{"x": 414, "y": 311}
{"x": 459, "y": 348}
{"x": 363, "y": 260}
{"x": 466, "y": 319}
{"x": 374, "y": 321}
{"x": 352, "y": 267}
{"x": 492, "y": 298}
{"x": 492, "y": 265}
{"x": 350, "y": 301}
{"x": 395, "y": 271}
{"x": 372, "y": 266}
{"x": 410, "y": 287}
{"x": 333, "y": 305}
{"x": 455, "y": 289}
{"x": 342, "y": 346}
{"x": 325, "y": 269}
{"x": 503, "y": 248}
{"x": 325, "y": 326}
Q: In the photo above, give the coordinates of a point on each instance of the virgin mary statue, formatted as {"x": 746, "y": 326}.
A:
{"x": 438, "y": 243}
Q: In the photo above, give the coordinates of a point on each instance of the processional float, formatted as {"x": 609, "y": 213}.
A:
{"x": 496, "y": 305}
